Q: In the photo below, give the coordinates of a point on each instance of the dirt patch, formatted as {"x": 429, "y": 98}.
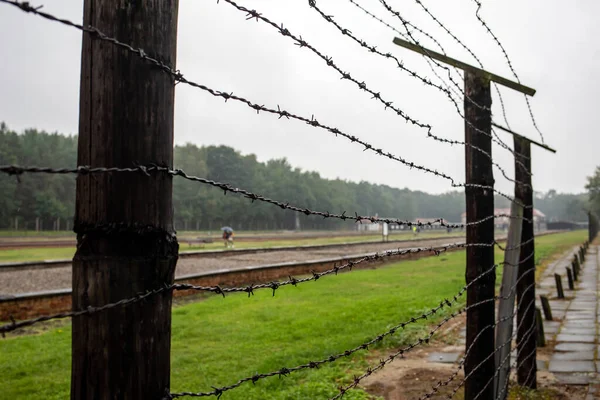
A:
{"x": 413, "y": 379}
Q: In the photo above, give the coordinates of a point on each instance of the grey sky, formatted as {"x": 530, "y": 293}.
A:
{"x": 553, "y": 46}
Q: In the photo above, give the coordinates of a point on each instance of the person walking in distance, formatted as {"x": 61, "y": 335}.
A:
{"x": 228, "y": 237}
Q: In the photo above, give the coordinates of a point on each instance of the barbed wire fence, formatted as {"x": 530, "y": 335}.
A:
{"x": 112, "y": 234}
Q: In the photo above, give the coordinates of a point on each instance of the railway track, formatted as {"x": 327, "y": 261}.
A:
{"x": 49, "y": 241}
{"x": 29, "y": 291}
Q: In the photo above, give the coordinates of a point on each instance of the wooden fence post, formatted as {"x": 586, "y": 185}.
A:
{"x": 546, "y": 308}
{"x": 480, "y": 205}
{"x": 559, "y": 286}
{"x": 540, "y": 337}
{"x": 570, "y": 279}
{"x": 526, "y": 349}
{"x": 125, "y": 239}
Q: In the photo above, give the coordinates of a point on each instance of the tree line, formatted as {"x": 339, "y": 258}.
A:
{"x": 47, "y": 197}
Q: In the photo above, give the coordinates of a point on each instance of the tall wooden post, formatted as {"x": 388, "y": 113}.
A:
{"x": 480, "y": 205}
{"x": 526, "y": 346}
{"x": 592, "y": 226}
{"x": 124, "y": 223}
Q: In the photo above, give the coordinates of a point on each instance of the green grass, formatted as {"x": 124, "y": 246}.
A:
{"x": 217, "y": 341}
{"x": 36, "y": 234}
{"x": 54, "y": 253}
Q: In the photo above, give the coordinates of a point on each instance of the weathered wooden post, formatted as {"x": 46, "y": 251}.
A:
{"x": 124, "y": 223}
{"x": 479, "y": 365}
{"x": 480, "y": 205}
{"x": 570, "y": 279}
{"x": 546, "y": 308}
{"x": 539, "y": 340}
{"x": 559, "y": 286}
{"x": 526, "y": 362}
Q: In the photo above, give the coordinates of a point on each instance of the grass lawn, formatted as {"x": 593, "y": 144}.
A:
{"x": 54, "y": 253}
{"x": 217, "y": 341}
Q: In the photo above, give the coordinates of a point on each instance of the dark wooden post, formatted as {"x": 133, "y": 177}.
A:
{"x": 124, "y": 222}
{"x": 570, "y": 279}
{"x": 559, "y": 286}
{"x": 546, "y": 308}
{"x": 480, "y": 205}
{"x": 540, "y": 338}
{"x": 592, "y": 227}
{"x": 574, "y": 269}
{"x": 526, "y": 287}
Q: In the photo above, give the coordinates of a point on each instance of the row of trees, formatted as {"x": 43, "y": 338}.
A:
{"x": 197, "y": 206}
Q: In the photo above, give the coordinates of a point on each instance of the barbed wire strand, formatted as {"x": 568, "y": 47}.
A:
{"x": 228, "y": 188}
{"x": 510, "y": 65}
{"x": 515, "y": 333}
{"x": 391, "y": 357}
{"x": 463, "y": 359}
{"x": 178, "y": 77}
{"x": 443, "y": 383}
{"x": 373, "y": 49}
{"x": 314, "y": 364}
{"x": 508, "y": 342}
{"x": 406, "y": 23}
{"x": 452, "y": 88}
{"x": 357, "y": 380}
{"x": 496, "y": 138}
{"x": 436, "y": 250}
{"x": 253, "y": 14}
{"x": 389, "y": 56}
{"x": 530, "y": 331}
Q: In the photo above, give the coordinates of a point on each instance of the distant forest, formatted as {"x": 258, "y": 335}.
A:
{"x": 197, "y": 206}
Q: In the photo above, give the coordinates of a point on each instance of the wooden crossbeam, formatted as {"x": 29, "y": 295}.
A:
{"x": 465, "y": 67}
{"x": 543, "y": 146}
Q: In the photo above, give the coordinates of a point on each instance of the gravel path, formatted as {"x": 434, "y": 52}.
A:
{"x": 37, "y": 280}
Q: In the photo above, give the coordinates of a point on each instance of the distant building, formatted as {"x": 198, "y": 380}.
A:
{"x": 502, "y": 223}
{"x": 365, "y": 225}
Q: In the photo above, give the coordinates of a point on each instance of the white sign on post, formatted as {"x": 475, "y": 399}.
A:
{"x": 385, "y": 231}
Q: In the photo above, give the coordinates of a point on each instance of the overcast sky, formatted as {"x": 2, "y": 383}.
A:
{"x": 553, "y": 46}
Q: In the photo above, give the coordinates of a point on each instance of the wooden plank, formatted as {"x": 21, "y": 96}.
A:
{"x": 543, "y": 146}
{"x": 506, "y": 307}
{"x": 465, "y": 67}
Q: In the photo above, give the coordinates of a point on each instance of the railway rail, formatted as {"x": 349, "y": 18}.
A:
{"x": 223, "y": 268}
